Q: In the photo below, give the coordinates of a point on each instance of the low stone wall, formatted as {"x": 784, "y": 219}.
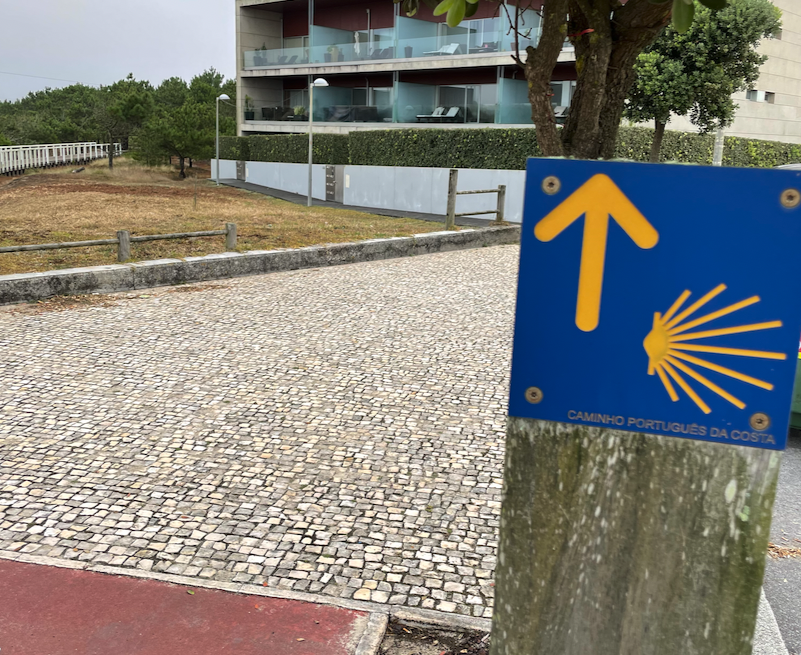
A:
{"x": 27, "y": 287}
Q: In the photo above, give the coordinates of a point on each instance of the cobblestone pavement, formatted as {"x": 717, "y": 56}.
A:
{"x": 335, "y": 431}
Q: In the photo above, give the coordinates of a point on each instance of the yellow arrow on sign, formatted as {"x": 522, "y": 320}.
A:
{"x": 597, "y": 199}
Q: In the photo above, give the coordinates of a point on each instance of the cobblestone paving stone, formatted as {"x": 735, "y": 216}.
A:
{"x": 335, "y": 431}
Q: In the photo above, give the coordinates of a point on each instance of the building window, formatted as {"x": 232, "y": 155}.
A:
{"x": 760, "y": 96}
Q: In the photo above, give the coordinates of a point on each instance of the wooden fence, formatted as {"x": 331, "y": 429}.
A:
{"x": 124, "y": 241}
{"x": 453, "y": 181}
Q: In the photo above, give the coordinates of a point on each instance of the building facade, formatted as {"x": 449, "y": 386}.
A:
{"x": 772, "y": 110}
{"x": 383, "y": 68}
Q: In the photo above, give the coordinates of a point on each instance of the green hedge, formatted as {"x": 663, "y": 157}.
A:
{"x": 490, "y": 148}
{"x": 234, "y": 147}
{"x": 287, "y": 148}
{"x": 445, "y": 148}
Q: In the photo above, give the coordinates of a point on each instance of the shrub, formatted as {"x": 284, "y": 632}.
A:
{"x": 234, "y": 147}
{"x": 445, "y": 148}
{"x": 490, "y": 148}
{"x": 294, "y": 148}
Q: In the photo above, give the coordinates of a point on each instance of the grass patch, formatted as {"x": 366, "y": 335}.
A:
{"x": 56, "y": 205}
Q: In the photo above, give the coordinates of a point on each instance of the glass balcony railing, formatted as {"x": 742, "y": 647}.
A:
{"x": 344, "y": 52}
{"x": 514, "y": 113}
{"x": 410, "y": 38}
{"x": 353, "y": 113}
{"x": 276, "y": 57}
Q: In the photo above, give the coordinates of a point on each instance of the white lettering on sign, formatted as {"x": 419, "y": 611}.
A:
{"x": 691, "y": 429}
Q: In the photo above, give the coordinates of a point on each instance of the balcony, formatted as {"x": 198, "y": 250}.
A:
{"x": 423, "y": 105}
{"x": 408, "y": 39}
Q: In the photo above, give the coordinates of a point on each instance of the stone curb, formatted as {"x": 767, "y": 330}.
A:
{"x": 26, "y": 287}
{"x": 373, "y": 634}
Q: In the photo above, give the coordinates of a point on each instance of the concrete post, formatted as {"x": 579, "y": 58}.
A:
{"x": 453, "y": 181}
{"x": 717, "y": 155}
{"x": 124, "y": 248}
{"x": 621, "y": 543}
{"x": 230, "y": 237}
{"x": 501, "y": 203}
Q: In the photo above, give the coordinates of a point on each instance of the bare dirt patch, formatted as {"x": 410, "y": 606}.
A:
{"x": 59, "y": 206}
{"x": 411, "y": 639}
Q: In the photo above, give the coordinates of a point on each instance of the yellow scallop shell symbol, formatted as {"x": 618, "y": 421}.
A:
{"x": 669, "y": 342}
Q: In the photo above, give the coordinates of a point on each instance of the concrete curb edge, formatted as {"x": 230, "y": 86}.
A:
{"x": 26, "y": 287}
{"x": 767, "y": 636}
{"x": 373, "y": 634}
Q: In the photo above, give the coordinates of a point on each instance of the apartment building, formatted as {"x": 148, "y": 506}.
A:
{"x": 772, "y": 109}
{"x": 383, "y": 69}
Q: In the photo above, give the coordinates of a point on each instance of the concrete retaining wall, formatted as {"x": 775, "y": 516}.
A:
{"x": 402, "y": 188}
{"x": 27, "y": 287}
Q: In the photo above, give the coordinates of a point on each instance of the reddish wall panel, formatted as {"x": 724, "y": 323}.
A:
{"x": 296, "y": 22}
{"x": 354, "y": 16}
{"x": 486, "y": 75}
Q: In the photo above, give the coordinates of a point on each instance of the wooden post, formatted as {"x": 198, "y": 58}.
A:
{"x": 230, "y": 237}
{"x": 124, "y": 248}
{"x": 450, "y": 218}
{"x": 501, "y": 203}
{"x": 621, "y": 543}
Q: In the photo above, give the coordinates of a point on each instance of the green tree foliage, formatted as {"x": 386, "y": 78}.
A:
{"x": 608, "y": 35}
{"x": 177, "y": 118}
{"x": 695, "y": 73}
{"x": 121, "y": 109}
{"x": 183, "y": 124}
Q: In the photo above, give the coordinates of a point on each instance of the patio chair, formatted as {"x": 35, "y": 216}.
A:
{"x": 431, "y": 118}
{"x": 451, "y": 116}
{"x": 560, "y": 114}
{"x": 282, "y": 59}
{"x": 451, "y": 49}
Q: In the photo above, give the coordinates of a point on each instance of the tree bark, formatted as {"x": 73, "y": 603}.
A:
{"x": 538, "y": 69}
{"x": 182, "y": 174}
{"x": 634, "y": 27}
{"x": 620, "y": 543}
{"x": 111, "y": 151}
{"x": 656, "y": 144}
{"x": 593, "y": 50}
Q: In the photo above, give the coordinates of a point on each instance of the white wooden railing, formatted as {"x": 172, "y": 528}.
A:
{"x": 15, "y": 160}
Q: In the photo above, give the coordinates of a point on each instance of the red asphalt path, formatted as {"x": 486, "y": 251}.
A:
{"x": 45, "y": 610}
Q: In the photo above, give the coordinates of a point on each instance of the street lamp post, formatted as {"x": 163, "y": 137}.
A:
{"x": 217, "y": 135}
{"x": 318, "y": 82}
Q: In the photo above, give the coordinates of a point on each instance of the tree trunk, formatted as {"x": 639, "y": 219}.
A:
{"x": 656, "y": 144}
{"x": 635, "y": 27}
{"x": 540, "y": 62}
{"x": 110, "y": 151}
{"x": 620, "y": 543}
{"x": 182, "y": 174}
{"x": 593, "y": 50}
{"x": 190, "y": 162}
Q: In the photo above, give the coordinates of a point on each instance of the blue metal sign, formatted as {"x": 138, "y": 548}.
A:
{"x": 659, "y": 298}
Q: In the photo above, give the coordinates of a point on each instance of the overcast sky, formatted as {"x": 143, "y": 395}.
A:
{"x": 101, "y": 41}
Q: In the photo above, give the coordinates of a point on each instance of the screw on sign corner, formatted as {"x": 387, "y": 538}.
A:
{"x": 551, "y": 185}
{"x": 759, "y": 421}
{"x": 791, "y": 198}
{"x": 534, "y": 395}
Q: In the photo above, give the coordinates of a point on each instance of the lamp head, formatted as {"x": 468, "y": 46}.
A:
{"x": 224, "y": 96}
{"x": 319, "y": 82}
